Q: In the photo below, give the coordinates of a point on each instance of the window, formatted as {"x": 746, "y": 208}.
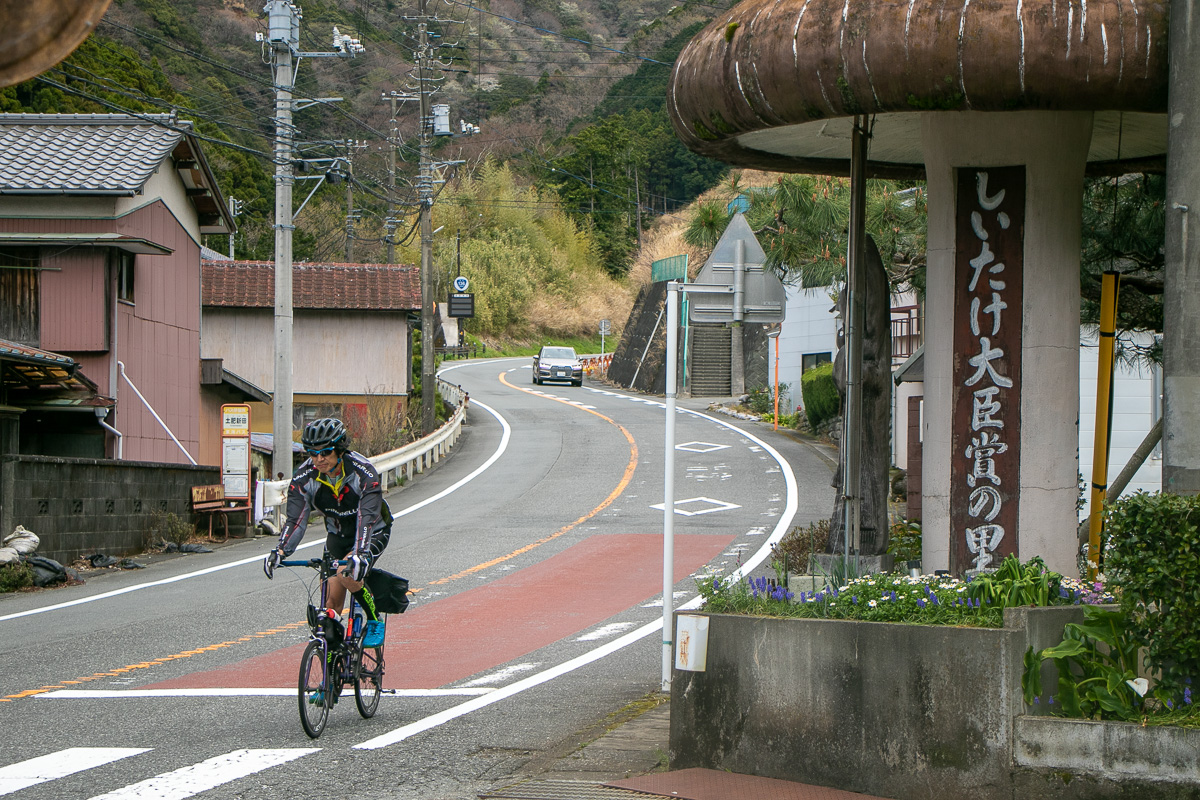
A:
{"x": 810, "y": 360}
{"x": 125, "y": 262}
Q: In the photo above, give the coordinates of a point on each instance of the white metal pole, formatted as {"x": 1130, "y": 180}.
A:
{"x": 669, "y": 483}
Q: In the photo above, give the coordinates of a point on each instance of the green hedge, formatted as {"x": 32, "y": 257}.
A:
{"x": 1153, "y": 556}
{"x": 820, "y": 395}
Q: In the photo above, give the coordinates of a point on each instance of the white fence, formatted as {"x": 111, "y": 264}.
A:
{"x": 404, "y": 463}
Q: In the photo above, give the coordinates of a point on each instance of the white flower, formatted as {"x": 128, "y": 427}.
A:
{"x": 872, "y": 604}
{"x": 1139, "y": 685}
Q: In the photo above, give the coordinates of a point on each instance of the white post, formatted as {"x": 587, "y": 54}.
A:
{"x": 669, "y": 483}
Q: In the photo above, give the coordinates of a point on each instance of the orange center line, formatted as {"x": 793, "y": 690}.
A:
{"x": 624, "y": 482}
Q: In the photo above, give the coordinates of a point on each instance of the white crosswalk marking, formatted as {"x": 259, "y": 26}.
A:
{"x": 59, "y": 765}
{"x": 207, "y": 774}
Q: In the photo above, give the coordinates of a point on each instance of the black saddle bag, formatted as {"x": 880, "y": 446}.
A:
{"x": 389, "y": 591}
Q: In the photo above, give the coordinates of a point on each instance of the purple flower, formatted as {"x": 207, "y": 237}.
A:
{"x": 1037, "y": 701}
{"x": 1187, "y": 695}
{"x": 716, "y": 584}
{"x": 1051, "y": 699}
{"x": 920, "y": 603}
{"x": 854, "y": 599}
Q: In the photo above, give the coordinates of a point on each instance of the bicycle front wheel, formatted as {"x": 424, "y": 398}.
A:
{"x": 315, "y": 696}
{"x": 368, "y": 680}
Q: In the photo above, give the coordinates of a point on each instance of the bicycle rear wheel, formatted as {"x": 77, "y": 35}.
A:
{"x": 368, "y": 680}
{"x": 315, "y": 697}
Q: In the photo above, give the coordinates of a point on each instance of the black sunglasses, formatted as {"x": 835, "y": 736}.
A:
{"x": 318, "y": 452}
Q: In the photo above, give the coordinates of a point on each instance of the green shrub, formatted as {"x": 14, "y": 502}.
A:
{"x": 762, "y": 401}
{"x": 904, "y": 541}
{"x": 1097, "y": 669}
{"x": 1153, "y": 556}
{"x": 790, "y": 554}
{"x": 821, "y": 400}
{"x": 166, "y": 526}
{"x": 14, "y": 576}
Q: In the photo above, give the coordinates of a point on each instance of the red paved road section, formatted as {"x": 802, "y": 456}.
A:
{"x": 447, "y": 640}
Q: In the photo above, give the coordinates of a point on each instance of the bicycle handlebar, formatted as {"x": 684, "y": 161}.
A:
{"x": 312, "y": 562}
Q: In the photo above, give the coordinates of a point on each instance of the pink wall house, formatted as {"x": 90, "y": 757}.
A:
{"x": 103, "y": 216}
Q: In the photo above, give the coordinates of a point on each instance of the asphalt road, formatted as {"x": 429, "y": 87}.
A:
{"x": 536, "y": 552}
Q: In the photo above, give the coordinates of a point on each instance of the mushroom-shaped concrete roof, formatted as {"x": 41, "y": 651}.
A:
{"x": 774, "y": 84}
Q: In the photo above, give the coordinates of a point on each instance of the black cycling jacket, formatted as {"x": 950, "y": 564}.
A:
{"x": 355, "y": 511}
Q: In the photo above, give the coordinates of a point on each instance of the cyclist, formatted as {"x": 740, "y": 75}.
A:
{"x": 344, "y": 487}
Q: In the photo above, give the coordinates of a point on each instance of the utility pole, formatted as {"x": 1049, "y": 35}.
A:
{"x": 283, "y": 37}
{"x": 1181, "y": 357}
{"x": 393, "y": 142}
{"x": 425, "y": 197}
{"x": 283, "y": 42}
{"x": 351, "y": 213}
{"x": 235, "y": 209}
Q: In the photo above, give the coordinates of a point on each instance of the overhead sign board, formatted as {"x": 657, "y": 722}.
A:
{"x": 738, "y": 259}
{"x": 669, "y": 269}
{"x": 461, "y": 304}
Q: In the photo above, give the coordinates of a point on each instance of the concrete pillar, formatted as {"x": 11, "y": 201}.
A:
{"x": 1053, "y": 147}
{"x": 1181, "y": 345}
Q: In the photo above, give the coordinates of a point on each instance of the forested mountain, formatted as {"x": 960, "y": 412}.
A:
{"x": 568, "y": 95}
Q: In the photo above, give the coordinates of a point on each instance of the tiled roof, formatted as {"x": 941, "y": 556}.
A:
{"x": 370, "y": 287}
{"x": 81, "y": 153}
{"x": 32, "y": 355}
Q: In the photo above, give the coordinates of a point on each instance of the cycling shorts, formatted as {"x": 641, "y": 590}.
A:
{"x": 338, "y": 547}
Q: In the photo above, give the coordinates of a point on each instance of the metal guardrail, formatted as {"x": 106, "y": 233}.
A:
{"x": 405, "y": 462}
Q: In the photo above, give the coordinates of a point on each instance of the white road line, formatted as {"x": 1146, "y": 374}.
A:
{"x": 501, "y": 675}
{"x": 206, "y": 775}
{"x": 462, "y": 709}
{"x": 125, "y": 694}
{"x": 507, "y": 432}
{"x": 50, "y": 767}
{"x": 605, "y": 631}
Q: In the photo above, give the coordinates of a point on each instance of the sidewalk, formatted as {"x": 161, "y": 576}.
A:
{"x": 627, "y": 763}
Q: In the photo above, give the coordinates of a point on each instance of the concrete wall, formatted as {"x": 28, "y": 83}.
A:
{"x": 809, "y": 328}
{"x": 82, "y": 506}
{"x": 1053, "y": 147}
{"x": 902, "y": 711}
{"x": 1136, "y": 407}
{"x": 334, "y": 352}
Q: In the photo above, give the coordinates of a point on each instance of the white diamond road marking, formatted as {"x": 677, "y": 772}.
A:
{"x": 701, "y": 447}
{"x": 715, "y": 505}
{"x": 206, "y": 775}
{"x": 605, "y": 631}
{"x": 61, "y": 764}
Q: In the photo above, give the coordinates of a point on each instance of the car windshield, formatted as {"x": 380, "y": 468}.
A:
{"x": 558, "y": 352}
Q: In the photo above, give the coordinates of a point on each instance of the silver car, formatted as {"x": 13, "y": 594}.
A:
{"x": 557, "y": 364}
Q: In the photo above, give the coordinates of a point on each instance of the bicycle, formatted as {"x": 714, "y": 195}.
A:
{"x": 335, "y": 656}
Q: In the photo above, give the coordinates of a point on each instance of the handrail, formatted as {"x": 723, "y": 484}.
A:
{"x": 404, "y": 462}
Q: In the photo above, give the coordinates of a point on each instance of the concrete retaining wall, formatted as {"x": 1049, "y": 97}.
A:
{"x": 901, "y": 711}
{"x": 79, "y": 506}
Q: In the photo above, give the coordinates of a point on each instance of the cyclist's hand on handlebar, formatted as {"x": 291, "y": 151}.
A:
{"x": 271, "y": 562}
{"x": 357, "y": 567}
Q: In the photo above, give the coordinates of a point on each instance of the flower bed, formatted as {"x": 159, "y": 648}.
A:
{"x": 902, "y": 711}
